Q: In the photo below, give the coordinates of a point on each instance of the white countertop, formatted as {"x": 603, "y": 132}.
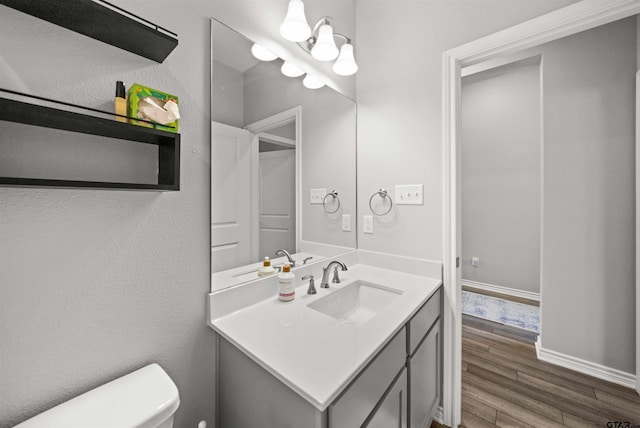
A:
{"x": 312, "y": 353}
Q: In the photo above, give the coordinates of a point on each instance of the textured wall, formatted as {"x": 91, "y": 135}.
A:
{"x": 501, "y": 175}
{"x": 588, "y": 253}
{"x": 96, "y": 283}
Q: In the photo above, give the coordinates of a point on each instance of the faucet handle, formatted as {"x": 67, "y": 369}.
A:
{"x": 305, "y": 260}
{"x": 336, "y": 277}
{"x": 312, "y": 284}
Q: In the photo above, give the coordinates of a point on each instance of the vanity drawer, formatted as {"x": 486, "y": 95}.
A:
{"x": 425, "y": 317}
{"x": 361, "y": 397}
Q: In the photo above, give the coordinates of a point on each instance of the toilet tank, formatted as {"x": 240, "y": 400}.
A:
{"x": 146, "y": 398}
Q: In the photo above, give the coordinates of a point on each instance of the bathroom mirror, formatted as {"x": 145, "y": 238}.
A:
{"x": 283, "y": 164}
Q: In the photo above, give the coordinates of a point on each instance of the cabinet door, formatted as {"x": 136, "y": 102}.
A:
{"x": 424, "y": 374}
{"x": 392, "y": 409}
{"x": 357, "y": 402}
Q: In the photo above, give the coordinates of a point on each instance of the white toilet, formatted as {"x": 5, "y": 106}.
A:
{"x": 146, "y": 398}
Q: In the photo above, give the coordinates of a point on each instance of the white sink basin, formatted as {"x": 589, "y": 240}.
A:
{"x": 357, "y": 302}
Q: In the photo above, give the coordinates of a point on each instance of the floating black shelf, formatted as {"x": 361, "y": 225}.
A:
{"x": 28, "y": 113}
{"x": 105, "y": 22}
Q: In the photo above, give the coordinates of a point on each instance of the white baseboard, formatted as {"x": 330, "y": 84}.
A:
{"x": 502, "y": 290}
{"x": 439, "y": 416}
{"x": 586, "y": 367}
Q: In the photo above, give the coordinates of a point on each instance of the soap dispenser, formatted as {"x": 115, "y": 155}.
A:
{"x": 286, "y": 284}
{"x": 266, "y": 268}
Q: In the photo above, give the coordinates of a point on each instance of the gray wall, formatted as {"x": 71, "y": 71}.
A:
{"x": 96, "y": 283}
{"x": 588, "y": 274}
{"x": 328, "y": 145}
{"x": 501, "y": 175}
{"x": 399, "y": 87}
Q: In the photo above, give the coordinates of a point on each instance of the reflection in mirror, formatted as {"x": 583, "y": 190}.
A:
{"x": 277, "y": 150}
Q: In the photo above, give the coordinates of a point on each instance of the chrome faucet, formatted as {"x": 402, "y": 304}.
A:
{"x": 292, "y": 262}
{"x": 326, "y": 270}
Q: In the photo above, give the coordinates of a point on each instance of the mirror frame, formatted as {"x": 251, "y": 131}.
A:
{"x": 563, "y": 22}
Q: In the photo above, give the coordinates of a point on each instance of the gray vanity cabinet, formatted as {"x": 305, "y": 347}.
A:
{"x": 425, "y": 363}
{"x": 399, "y": 388}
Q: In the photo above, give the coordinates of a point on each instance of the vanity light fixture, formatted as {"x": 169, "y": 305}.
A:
{"x": 291, "y": 70}
{"x": 346, "y": 63}
{"x": 320, "y": 41}
{"x": 312, "y": 82}
{"x": 294, "y": 27}
{"x": 324, "y": 48}
{"x": 262, "y": 53}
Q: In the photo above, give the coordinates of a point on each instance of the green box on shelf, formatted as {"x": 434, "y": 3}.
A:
{"x": 138, "y": 92}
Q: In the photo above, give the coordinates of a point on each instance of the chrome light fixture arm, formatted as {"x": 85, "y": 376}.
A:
{"x": 306, "y": 45}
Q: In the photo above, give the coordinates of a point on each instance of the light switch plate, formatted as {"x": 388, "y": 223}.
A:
{"x": 317, "y": 195}
{"x": 367, "y": 224}
{"x": 346, "y": 222}
{"x": 409, "y": 194}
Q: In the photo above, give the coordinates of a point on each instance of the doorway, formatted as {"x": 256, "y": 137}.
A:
{"x": 501, "y": 166}
{"x": 561, "y": 23}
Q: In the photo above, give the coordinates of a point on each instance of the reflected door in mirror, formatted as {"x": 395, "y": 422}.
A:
{"x": 277, "y": 178}
{"x": 231, "y": 206}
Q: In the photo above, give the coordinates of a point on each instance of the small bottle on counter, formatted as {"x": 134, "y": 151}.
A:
{"x": 266, "y": 268}
{"x": 286, "y": 284}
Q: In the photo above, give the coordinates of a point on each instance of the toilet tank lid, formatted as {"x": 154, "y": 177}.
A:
{"x": 143, "y": 398}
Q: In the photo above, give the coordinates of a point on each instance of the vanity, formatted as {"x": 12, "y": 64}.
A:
{"x": 365, "y": 352}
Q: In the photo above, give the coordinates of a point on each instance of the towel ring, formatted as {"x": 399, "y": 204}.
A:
{"x": 384, "y": 195}
{"x": 334, "y": 194}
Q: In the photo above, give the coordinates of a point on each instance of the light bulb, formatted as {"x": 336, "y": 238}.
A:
{"x": 345, "y": 64}
{"x": 294, "y": 27}
{"x": 291, "y": 70}
{"x": 262, "y": 54}
{"x": 325, "y": 48}
{"x": 312, "y": 82}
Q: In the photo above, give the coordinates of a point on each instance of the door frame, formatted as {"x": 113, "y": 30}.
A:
{"x": 561, "y": 23}
{"x": 292, "y": 115}
{"x": 638, "y": 231}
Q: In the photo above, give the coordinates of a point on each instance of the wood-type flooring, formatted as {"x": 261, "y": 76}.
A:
{"x": 505, "y": 385}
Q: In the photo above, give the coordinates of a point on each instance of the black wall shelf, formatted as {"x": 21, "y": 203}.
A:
{"x": 105, "y": 22}
{"x": 28, "y": 113}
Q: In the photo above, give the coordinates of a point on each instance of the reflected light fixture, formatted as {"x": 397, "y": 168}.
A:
{"x": 262, "y": 53}
{"x": 312, "y": 82}
{"x": 319, "y": 42}
{"x": 291, "y": 70}
{"x": 294, "y": 27}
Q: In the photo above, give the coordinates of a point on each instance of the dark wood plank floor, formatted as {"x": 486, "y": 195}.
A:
{"x": 504, "y": 385}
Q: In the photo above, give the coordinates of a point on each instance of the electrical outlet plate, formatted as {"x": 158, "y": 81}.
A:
{"x": 409, "y": 194}
{"x": 367, "y": 224}
{"x": 317, "y": 195}
{"x": 346, "y": 222}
